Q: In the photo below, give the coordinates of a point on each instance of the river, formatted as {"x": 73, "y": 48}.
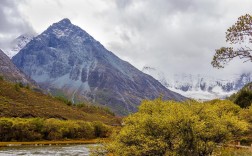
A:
{"x": 59, "y": 150}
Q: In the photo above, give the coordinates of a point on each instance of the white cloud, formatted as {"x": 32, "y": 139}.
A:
{"x": 177, "y": 36}
{"x": 11, "y": 21}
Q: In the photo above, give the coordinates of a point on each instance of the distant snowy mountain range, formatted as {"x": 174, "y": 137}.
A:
{"x": 17, "y": 44}
{"x": 201, "y": 87}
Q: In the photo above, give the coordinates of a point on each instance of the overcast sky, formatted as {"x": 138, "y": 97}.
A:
{"x": 175, "y": 36}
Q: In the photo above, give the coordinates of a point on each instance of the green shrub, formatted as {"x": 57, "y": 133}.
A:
{"x": 244, "y": 98}
{"x": 86, "y": 130}
{"x": 92, "y": 108}
{"x": 21, "y": 85}
{"x": 230, "y": 151}
{"x": 5, "y": 129}
{"x": 17, "y": 87}
{"x": 101, "y": 130}
{"x": 21, "y": 129}
{"x": 64, "y": 100}
{"x": 28, "y": 87}
{"x": 172, "y": 128}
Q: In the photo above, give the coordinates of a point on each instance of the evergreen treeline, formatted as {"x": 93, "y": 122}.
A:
{"x": 31, "y": 129}
{"x": 243, "y": 98}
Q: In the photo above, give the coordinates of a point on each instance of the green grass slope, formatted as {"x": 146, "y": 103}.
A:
{"x": 16, "y": 101}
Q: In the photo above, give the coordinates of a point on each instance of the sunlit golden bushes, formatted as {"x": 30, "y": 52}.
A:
{"x": 20, "y": 129}
{"x": 173, "y": 128}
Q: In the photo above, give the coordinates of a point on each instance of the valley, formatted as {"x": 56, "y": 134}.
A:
{"x": 125, "y": 78}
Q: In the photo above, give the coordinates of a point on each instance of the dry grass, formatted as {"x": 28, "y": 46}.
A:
{"x": 25, "y": 103}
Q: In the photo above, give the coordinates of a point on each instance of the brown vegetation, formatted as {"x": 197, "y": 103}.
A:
{"x": 20, "y": 101}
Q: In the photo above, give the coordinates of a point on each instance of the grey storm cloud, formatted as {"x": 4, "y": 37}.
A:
{"x": 176, "y": 36}
{"x": 11, "y": 19}
{"x": 12, "y": 24}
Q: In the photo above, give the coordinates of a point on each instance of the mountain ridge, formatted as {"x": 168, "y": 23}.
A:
{"x": 66, "y": 60}
{"x": 18, "y": 43}
{"x": 11, "y": 73}
{"x": 202, "y": 87}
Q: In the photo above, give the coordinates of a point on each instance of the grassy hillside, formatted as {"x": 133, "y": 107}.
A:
{"x": 19, "y": 101}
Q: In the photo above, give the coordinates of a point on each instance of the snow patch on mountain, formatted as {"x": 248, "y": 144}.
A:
{"x": 18, "y": 43}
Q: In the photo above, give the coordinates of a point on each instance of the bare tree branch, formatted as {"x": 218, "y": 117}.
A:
{"x": 240, "y": 32}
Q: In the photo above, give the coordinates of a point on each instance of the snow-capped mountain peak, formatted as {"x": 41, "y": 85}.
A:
{"x": 18, "y": 43}
{"x": 64, "y": 21}
{"x": 67, "y": 60}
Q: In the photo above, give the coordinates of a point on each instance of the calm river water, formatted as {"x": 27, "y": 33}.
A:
{"x": 61, "y": 150}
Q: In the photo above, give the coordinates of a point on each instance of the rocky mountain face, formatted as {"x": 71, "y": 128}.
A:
{"x": 10, "y": 72}
{"x": 17, "y": 44}
{"x": 67, "y": 61}
{"x": 202, "y": 87}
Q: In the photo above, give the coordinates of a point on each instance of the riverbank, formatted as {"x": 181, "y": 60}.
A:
{"x": 49, "y": 143}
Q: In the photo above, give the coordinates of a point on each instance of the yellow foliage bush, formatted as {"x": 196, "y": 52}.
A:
{"x": 172, "y": 128}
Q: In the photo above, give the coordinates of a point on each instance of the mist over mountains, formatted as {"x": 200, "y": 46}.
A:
{"x": 18, "y": 43}
{"x": 200, "y": 86}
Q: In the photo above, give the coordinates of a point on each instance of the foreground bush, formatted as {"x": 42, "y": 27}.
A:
{"x": 244, "y": 98}
{"x": 229, "y": 151}
{"x": 20, "y": 129}
{"x": 172, "y": 128}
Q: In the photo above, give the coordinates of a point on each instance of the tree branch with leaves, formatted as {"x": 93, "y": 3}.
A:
{"x": 237, "y": 34}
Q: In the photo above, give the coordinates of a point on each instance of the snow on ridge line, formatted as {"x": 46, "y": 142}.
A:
{"x": 203, "y": 95}
{"x": 200, "y": 86}
{"x": 18, "y": 43}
